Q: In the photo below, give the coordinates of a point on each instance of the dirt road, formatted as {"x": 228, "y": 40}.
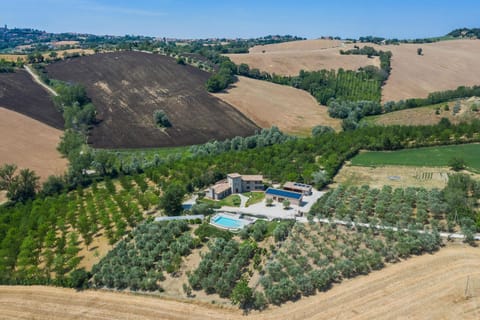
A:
{"x": 40, "y": 82}
{"x": 425, "y": 287}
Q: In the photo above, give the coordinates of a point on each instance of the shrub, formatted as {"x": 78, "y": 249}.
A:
{"x": 161, "y": 118}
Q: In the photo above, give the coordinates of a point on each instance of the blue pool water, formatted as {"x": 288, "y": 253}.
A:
{"x": 228, "y": 222}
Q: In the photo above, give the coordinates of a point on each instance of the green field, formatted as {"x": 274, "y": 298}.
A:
{"x": 232, "y": 200}
{"x": 431, "y": 156}
{"x": 254, "y": 197}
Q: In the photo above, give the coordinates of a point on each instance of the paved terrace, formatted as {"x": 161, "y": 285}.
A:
{"x": 276, "y": 210}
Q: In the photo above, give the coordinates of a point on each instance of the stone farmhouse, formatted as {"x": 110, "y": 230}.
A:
{"x": 235, "y": 183}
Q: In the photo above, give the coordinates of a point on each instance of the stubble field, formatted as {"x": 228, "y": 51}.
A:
{"x": 30, "y": 144}
{"x": 294, "y": 111}
{"x": 310, "y": 55}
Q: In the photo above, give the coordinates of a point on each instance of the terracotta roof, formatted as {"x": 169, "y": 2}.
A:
{"x": 252, "y": 177}
{"x": 221, "y": 187}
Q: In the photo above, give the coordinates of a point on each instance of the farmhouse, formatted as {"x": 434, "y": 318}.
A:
{"x": 235, "y": 183}
{"x": 305, "y": 189}
{"x": 281, "y": 195}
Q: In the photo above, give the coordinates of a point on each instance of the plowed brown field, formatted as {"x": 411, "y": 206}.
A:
{"x": 425, "y": 287}
{"x": 127, "y": 87}
{"x": 292, "y": 110}
{"x": 20, "y": 93}
{"x": 30, "y": 144}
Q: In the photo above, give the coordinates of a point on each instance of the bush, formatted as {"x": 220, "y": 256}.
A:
{"x": 457, "y": 164}
{"x": 206, "y": 231}
{"x": 161, "y": 119}
{"x": 79, "y": 279}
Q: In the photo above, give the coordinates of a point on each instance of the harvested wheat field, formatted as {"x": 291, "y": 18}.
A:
{"x": 290, "y": 57}
{"x": 444, "y": 65}
{"x": 395, "y": 176}
{"x": 429, "y": 115}
{"x": 13, "y": 57}
{"x": 30, "y": 144}
{"x": 294, "y": 111}
{"x": 301, "y": 45}
{"x": 428, "y": 286}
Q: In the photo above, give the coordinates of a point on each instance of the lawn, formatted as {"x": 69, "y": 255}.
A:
{"x": 230, "y": 201}
{"x": 254, "y": 197}
{"x": 431, "y": 156}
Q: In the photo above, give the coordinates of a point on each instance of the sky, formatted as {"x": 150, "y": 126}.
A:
{"x": 245, "y": 18}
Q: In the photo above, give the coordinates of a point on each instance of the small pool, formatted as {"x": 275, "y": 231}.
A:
{"x": 226, "y": 221}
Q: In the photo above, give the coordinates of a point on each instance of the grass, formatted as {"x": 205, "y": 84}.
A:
{"x": 374, "y": 119}
{"x": 431, "y": 156}
{"x": 230, "y": 201}
{"x": 254, "y": 197}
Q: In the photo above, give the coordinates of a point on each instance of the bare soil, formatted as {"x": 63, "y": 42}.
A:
{"x": 443, "y": 65}
{"x": 292, "y": 110}
{"x": 310, "y": 55}
{"x": 3, "y": 197}
{"x": 424, "y": 287}
{"x": 30, "y": 144}
{"x": 127, "y": 87}
{"x": 20, "y": 93}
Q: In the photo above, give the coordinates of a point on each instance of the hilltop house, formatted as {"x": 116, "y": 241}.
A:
{"x": 235, "y": 183}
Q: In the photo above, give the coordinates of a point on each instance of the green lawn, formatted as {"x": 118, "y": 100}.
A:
{"x": 231, "y": 201}
{"x": 254, "y": 197}
{"x": 431, "y": 156}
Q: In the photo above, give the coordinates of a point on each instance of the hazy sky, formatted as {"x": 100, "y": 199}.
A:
{"x": 245, "y": 18}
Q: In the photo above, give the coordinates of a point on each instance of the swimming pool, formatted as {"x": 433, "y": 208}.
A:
{"x": 229, "y": 222}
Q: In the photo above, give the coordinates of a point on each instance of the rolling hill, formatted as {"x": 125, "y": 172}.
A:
{"x": 310, "y": 55}
{"x": 127, "y": 87}
{"x": 19, "y": 93}
{"x": 292, "y": 110}
{"x": 443, "y": 65}
{"x": 29, "y": 143}
{"x": 30, "y": 125}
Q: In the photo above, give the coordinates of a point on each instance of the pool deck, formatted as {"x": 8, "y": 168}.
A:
{"x": 276, "y": 211}
{"x": 244, "y": 222}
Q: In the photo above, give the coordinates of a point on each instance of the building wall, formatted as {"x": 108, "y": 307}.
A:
{"x": 221, "y": 195}
{"x": 252, "y": 186}
{"x": 280, "y": 199}
{"x": 235, "y": 184}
